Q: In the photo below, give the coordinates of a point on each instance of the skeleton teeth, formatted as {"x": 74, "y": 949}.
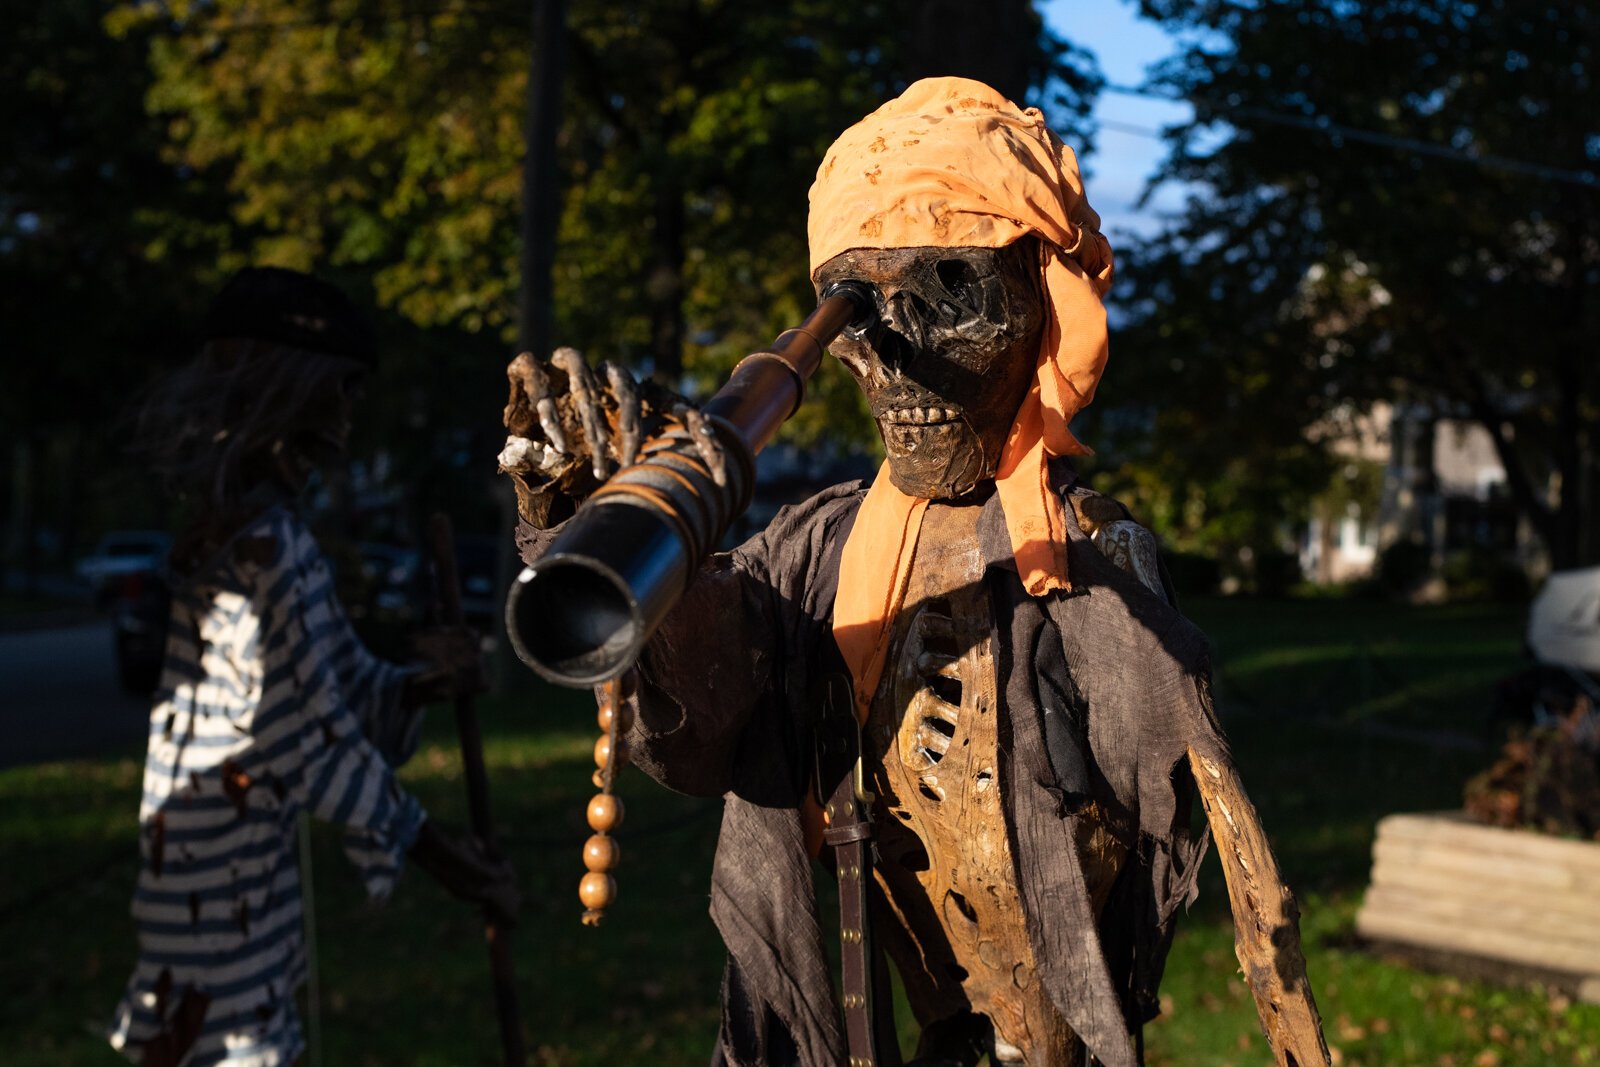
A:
{"x": 926, "y": 416}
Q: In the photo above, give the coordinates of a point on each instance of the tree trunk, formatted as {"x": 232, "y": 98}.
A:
{"x": 541, "y": 185}
{"x": 990, "y": 44}
{"x": 666, "y": 287}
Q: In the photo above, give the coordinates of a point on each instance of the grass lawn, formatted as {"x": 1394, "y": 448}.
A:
{"x": 1340, "y": 711}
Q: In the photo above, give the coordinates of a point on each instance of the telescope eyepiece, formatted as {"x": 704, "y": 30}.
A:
{"x": 860, "y": 295}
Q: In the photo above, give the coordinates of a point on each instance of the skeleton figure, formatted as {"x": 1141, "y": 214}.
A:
{"x": 268, "y": 705}
{"x": 1029, "y": 747}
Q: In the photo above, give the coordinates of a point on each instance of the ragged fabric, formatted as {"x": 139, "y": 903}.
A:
{"x": 268, "y": 705}
{"x": 725, "y": 706}
{"x": 951, "y": 163}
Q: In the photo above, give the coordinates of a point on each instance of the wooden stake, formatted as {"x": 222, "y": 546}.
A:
{"x": 503, "y": 975}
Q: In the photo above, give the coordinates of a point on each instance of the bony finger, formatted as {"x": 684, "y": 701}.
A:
{"x": 626, "y": 394}
{"x": 704, "y": 436}
{"x": 550, "y": 423}
{"x": 523, "y": 399}
{"x": 586, "y": 394}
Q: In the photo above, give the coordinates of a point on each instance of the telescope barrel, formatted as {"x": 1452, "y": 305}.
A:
{"x": 582, "y": 613}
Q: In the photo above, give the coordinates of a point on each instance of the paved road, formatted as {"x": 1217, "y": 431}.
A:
{"x": 59, "y": 696}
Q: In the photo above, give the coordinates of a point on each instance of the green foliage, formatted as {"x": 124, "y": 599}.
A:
{"x": 1477, "y": 574}
{"x": 369, "y": 135}
{"x": 386, "y": 139}
{"x": 1355, "y": 486}
{"x": 1274, "y": 572}
{"x": 94, "y": 230}
{"x": 1330, "y": 246}
{"x": 106, "y": 253}
{"x": 1192, "y": 573}
{"x": 1402, "y": 568}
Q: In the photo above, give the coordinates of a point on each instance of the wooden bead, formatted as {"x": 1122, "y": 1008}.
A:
{"x": 600, "y": 853}
{"x": 605, "y": 813}
{"x": 597, "y": 890}
{"x": 603, "y": 750}
{"x": 622, "y": 714}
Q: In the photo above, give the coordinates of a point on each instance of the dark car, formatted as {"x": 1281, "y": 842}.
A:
{"x": 121, "y": 555}
{"x": 140, "y": 603}
{"x": 477, "y": 563}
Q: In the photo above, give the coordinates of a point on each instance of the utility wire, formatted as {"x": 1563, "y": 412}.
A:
{"x": 1335, "y": 130}
{"x": 1129, "y": 128}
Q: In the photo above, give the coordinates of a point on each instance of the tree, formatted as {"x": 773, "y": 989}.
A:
{"x": 100, "y": 246}
{"x": 1398, "y": 200}
{"x": 384, "y": 137}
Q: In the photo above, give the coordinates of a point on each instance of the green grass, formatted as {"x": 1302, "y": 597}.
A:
{"x": 1311, "y": 693}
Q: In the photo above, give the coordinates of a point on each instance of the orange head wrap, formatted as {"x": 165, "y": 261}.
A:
{"x": 951, "y": 163}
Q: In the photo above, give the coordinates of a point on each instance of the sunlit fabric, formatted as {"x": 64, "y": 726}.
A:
{"x": 951, "y": 163}
{"x": 269, "y": 705}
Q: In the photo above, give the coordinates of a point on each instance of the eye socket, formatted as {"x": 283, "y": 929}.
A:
{"x": 861, "y": 328}
{"x": 959, "y": 279}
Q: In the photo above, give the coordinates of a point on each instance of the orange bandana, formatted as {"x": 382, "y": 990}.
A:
{"x": 951, "y": 163}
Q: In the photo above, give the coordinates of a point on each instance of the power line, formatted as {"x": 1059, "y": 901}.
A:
{"x": 1129, "y": 128}
{"x": 1335, "y": 130}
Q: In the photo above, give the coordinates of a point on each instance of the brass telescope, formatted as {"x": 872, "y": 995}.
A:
{"x": 583, "y": 612}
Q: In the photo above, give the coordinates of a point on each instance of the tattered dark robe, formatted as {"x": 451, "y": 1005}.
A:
{"x": 725, "y": 706}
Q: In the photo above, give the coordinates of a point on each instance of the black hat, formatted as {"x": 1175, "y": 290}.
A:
{"x": 294, "y": 309}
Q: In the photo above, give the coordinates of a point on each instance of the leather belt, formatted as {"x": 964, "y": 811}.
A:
{"x": 847, "y": 829}
{"x": 849, "y": 833}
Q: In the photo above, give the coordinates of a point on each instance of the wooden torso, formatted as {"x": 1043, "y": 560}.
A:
{"x": 934, "y": 743}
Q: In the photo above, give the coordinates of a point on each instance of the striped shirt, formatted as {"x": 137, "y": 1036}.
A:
{"x": 268, "y": 705}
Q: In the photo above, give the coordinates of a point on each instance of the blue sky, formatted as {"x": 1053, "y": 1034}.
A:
{"x": 1125, "y": 46}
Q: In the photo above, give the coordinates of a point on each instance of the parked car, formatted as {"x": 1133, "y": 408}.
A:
{"x": 396, "y": 595}
{"x": 120, "y": 554}
{"x": 482, "y": 601}
{"x": 140, "y": 603}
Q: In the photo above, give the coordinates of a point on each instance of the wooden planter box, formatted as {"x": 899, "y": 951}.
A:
{"x": 1447, "y": 885}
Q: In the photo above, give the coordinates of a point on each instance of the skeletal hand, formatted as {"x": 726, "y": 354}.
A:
{"x": 571, "y": 427}
{"x": 705, "y": 441}
{"x": 468, "y": 871}
{"x": 561, "y": 414}
{"x": 452, "y": 665}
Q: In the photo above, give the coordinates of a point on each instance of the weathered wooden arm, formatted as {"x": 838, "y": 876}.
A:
{"x": 1266, "y": 920}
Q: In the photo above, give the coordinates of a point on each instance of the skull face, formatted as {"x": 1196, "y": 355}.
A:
{"x": 948, "y": 359}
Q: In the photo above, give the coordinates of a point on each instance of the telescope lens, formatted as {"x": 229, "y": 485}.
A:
{"x": 582, "y": 624}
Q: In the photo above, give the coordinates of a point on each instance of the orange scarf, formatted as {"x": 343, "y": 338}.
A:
{"x": 951, "y": 163}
